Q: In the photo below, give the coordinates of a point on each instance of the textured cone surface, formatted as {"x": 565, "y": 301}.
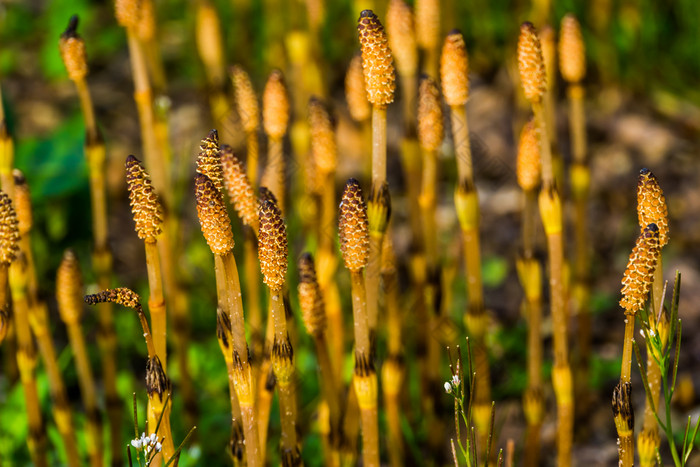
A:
{"x": 275, "y": 106}
{"x": 402, "y": 37}
{"x": 377, "y": 63}
{"x": 120, "y": 295}
{"x": 127, "y": 12}
{"x": 430, "y": 130}
{"x": 213, "y": 217}
{"x": 355, "y": 92}
{"x": 323, "y": 145}
{"x": 572, "y": 52}
{"x": 9, "y": 230}
{"x": 146, "y": 29}
{"x": 238, "y": 187}
{"x": 145, "y": 205}
{"x": 528, "y": 162}
{"x": 428, "y": 23}
{"x": 246, "y": 100}
{"x": 353, "y": 227}
{"x": 310, "y": 299}
{"x": 209, "y": 159}
{"x": 651, "y": 205}
{"x": 272, "y": 245}
{"x": 69, "y": 288}
{"x": 454, "y": 69}
{"x": 531, "y": 63}
{"x": 23, "y": 203}
{"x": 72, "y": 48}
{"x": 639, "y": 274}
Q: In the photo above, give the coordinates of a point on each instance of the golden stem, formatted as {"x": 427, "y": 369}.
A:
{"x": 87, "y": 109}
{"x": 236, "y": 416}
{"x": 460, "y": 135}
{"x": 60, "y": 408}
{"x": 275, "y": 171}
{"x": 252, "y": 144}
{"x": 230, "y": 300}
{"x": 265, "y": 386}
{"x": 26, "y": 362}
{"x": 329, "y": 388}
{"x": 359, "y": 312}
{"x": 545, "y": 149}
{"x": 251, "y": 267}
{"x": 254, "y": 453}
{"x": 335, "y": 331}
{"x": 89, "y": 393}
{"x": 156, "y": 301}
{"x": 577, "y": 122}
{"x": 534, "y": 343}
{"x": 658, "y": 287}
{"x": 557, "y": 297}
{"x": 528, "y": 227}
{"x": 472, "y": 262}
{"x": 427, "y": 201}
{"x": 412, "y": 164}
{"x": 409, "y": 94}
{"x": 278, "y": 315}
{"x": 393, "y": 313}
{"x": 370, "y": 435}
{"x": 393, "y": 420}
{"x": 372, "y": 281}
{"x": 378, "y": 145}
{"x": 144, "y": 104}
{"x": 626, "y": 370}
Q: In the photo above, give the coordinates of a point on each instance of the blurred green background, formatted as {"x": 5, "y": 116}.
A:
{"x": 643, "y": 48}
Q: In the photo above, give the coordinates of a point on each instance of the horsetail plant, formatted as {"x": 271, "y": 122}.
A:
{"x": 275, "y": 113}
{"x": 572, "y": 63}
{"x": 72, "y": 48}
{"x": 26, "y": 352}
{"x": 651, "y": 208}
{"x": 249, "y": 113}
{"x": 359, "y": 107}
{"x": 314, "y": 316}
{"x": 69, "y": 296}
{"x": 428, "y": 34}
{"x": 324, "y": 152}
{"x": 157, "y": 383}
{"x": 636, "y": 284}
{"x": 25, "y": 301}
{"x": 378, "y": 70}
{"x": 272, "y": 252}
{"x": 216, "y": 228}
{"x": 353, "y": 230}
{"x": 148, "y": 217}
{"x": 534, "y": 82}
{"x": 530, "y": 275}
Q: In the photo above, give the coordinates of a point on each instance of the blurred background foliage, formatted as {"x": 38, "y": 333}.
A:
{"x": 644, "y": 48}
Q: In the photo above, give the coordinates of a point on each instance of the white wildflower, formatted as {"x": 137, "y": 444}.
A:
{"x": 455, "y": 380}
{"x": 448, "y": 387}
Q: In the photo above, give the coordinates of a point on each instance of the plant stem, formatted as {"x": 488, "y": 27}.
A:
{"x": 252, "y": 145}
{"x": 378, "y": 145}
{"x": 89, "y": 393}
{"x": 626, "y": 371}
{"x": 460, "y": 136}
{"x": 274, "y": 177}
{"x": 61, "y": 408}
{"x": 156, "y": 301}
{"x": 26, "y": 362}
{"x": 577, "y": 125}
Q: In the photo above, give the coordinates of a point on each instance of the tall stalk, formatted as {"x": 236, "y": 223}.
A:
{"x": 530, "y": 275}
{"x": 272, "y": 252}
{"x": 651, "y": 208}
{"x": 314, "y": 316}
{"x": 157, "y": 383}
{"x": 533, "y": 79}
{"x": 275, "y": 121}
{"x": 378, "y": 69}
{"x": 636, "y": 284}
{"x": 69, "y": 296}
{"x": 428, "y": 34}
{"x": 216, "y": 228}
{"x": 355, "y": 247}
{"x": 72, "y": 48}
